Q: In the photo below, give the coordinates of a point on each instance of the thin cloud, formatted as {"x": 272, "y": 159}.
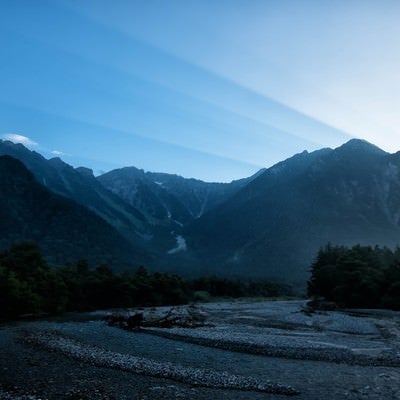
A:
{"x": 59, "y": 153}
{"x": 17, "y": 138}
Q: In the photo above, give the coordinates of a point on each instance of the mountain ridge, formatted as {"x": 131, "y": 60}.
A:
{"x": 346, "y": 195}
{"x": 67, "y": 181}
{"x": 65, "y": 230}
{"x": 178, "y": 199}
{"x": 268, "y": 225}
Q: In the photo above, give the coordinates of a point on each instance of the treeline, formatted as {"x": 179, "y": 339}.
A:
{"x": 360, "y": 276}
{"x": 28, "y": 285}
{"x": 221, "y": 287}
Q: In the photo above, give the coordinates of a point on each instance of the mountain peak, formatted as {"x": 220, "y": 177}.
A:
{"x": 12, "y": 144}
{"x": 58, "y": 162}
{"x": 85, "y": 172}
{"x": 361, "y": 145}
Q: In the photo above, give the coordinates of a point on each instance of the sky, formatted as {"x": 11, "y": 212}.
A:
{"x": 211, "y": 89}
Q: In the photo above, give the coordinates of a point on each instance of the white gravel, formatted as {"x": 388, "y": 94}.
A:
{"x": 280, "y": 329}
{"x": 195, "y": 376}
{"x": 313, "y": 353}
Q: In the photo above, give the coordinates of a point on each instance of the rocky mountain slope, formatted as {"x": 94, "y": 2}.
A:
{"x": 269, "y": 225}
{"x": 80, "y": 185}
{"x": 166, "y": 197}
{"x": 65, "y": 230}
{"x": 274, "y": 226}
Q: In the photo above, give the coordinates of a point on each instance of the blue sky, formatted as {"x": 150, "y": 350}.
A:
{"x": 207, "y": 89}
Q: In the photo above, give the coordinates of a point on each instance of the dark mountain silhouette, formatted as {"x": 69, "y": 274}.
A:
{"x": 274, "y": 226}
{"x": 147, "y": 195}
{"x": 65, "y": 230}
{"x": 80, "y": 185}
{"x": 168, "y": 197}
{"x": 269, "y": 225}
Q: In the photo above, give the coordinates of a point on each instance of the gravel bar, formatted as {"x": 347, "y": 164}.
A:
{"x": 334, "y": 355}
{"x": 97, "y": 356}
{"x": 7, "y": 395}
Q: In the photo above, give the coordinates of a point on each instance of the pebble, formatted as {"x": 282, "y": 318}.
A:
{"x": 195, "y": 376}
{"x": 224, "y": 339}
{"x": 7, "y": 395}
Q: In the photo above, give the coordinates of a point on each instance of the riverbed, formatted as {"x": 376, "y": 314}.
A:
{"x": 247, "y": 350}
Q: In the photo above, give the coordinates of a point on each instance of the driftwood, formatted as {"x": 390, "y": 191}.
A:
{"x": 189, "y": 317}
{"x": 318, "y": 304}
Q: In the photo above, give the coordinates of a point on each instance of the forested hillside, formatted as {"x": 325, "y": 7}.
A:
{"x": 66, "y": 231}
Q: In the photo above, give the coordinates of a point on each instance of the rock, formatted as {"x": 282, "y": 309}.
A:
{"x": 135, "y": 321}
{"x": 320, "y": 304}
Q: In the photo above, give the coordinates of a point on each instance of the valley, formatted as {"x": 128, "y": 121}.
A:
{"x": 269, "y": 225}
{"x": 199, "y": 200}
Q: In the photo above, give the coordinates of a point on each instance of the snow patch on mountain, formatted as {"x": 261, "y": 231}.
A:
{"x": 180, "y": 245}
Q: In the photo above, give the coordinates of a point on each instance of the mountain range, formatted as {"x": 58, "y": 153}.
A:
{"x": 268, "y": 225}
{"x": 66, "y": 231}
{"x": 169, "y": 197}
{"x": 277, "y": 223}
